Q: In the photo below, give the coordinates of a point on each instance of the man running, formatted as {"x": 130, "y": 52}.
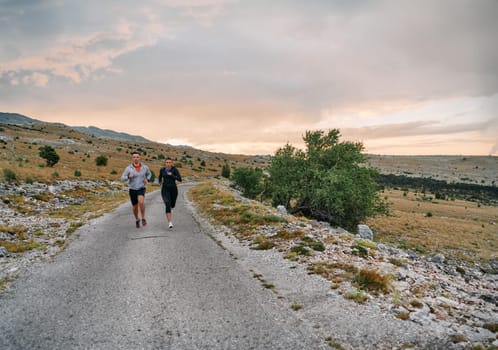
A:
{"x": 137, "y": 175}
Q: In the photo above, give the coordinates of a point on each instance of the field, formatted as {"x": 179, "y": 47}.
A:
{"x": 481, "y": 170}
{"x": 77, "y": 151}
{"x": 460, "y": 230}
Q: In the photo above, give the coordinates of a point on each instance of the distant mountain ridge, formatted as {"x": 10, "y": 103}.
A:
{"x": 19, "y": 119}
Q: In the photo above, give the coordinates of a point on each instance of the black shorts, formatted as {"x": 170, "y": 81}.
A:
{"x": 134, "y": 195}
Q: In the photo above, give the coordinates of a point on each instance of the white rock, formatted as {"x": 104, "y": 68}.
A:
{"x": 365, "y": 232}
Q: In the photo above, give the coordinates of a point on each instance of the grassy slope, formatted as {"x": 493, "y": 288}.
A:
{"x": 78, "y": 151}
{"x": 459, "y": 229}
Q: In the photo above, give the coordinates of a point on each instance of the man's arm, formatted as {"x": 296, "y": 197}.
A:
{"x": 126, "y": 174}
{"x": 148, "y": 174}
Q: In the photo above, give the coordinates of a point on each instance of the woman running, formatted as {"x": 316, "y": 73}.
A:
{"x": 168, "y": 177}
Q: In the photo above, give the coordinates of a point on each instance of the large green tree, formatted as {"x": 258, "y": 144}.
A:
{"x": 327, "y": 181}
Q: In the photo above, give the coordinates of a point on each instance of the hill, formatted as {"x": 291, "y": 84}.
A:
{"x": 19, "y": 147}
{"x": 19, "y": 119}
{"x": 78, "y": 146}
{"x": 108, "y": 134}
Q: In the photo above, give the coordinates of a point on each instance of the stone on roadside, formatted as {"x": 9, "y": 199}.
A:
{"x": 4, "y": 252}
{"x": 438, "y": 259}
{"x": 365, "y": 232}
{"x": 281, "y": 210}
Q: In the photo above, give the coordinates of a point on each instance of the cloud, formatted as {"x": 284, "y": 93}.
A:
{"x": 242, "y": 74}
{"x": 36, "y": 79}
{"x": 77, "y": 58}
{"x": 202, "y": 11}
{"x": 413, "y": 129}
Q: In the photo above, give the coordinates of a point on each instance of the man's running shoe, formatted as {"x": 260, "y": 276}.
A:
{"x": 144, "y": 222}
{"x": 137, "y": 223}
{"x": 170, "y": 224}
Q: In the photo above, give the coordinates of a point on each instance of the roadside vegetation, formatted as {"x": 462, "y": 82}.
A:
{"x": 74, "y": 208}
{"x": 327, "y": 181}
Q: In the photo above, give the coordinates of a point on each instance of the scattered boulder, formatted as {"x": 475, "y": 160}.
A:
{"x": 281, "y": 210}
{"x": 438, "y": 259}
{"x": 4, "y": 252}
{"x": 365, "y": 232}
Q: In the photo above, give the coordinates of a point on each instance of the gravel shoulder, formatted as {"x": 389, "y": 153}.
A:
{"x": 345, "y": 323}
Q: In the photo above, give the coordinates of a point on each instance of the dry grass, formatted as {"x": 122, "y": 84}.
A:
{"x": 4, "y": 282}
{"x": 262, "y": 243}
{"x": 290, "y": 235}
{"x": 78, "y": 151}
{"x": 373, "y": 281}
{"x": 224, "y": 209}
{"x": 336, "y": 272}
{"x": 93, "y": 205}
{"x": 18, "y": 231}
{"x": 296, "y": 307}
{"x": 20, "y": 246}
{"x": 458, "y": 229}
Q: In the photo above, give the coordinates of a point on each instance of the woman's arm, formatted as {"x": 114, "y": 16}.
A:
{"x": 176, "y": 175}
{"x": 160, "y": 177}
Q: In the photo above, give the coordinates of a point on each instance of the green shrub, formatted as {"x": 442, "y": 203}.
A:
{"x": 9, "y": 175}
{"x": 301, "y": 250}
{"x": 313, "y": 244}
{"x": 225, "y": 171}
{"x": 48, "y": 153}
{"x": 77, "y": 173}
{"x": 249, "y": 180}
{"x": 358, "y": 296}
{"x": 101, "y": 160}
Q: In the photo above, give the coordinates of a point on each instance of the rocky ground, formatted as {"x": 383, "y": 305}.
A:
{"x": 28, "y": 220}
{"x": 429, "y": 302}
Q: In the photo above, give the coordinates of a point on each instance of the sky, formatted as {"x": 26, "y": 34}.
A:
{"x": 403, "y": 77}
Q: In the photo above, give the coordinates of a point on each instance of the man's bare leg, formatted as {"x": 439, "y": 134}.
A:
{"x": 135, "y": 211}
{"x": 141, "y": 203}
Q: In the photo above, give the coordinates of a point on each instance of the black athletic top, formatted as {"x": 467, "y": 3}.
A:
{"x": 169, "y": 180}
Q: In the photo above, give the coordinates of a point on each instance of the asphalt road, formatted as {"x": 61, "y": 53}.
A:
{"x": 118, "y": 287}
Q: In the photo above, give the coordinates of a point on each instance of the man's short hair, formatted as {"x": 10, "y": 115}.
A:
{"x": 135, "y": 152}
